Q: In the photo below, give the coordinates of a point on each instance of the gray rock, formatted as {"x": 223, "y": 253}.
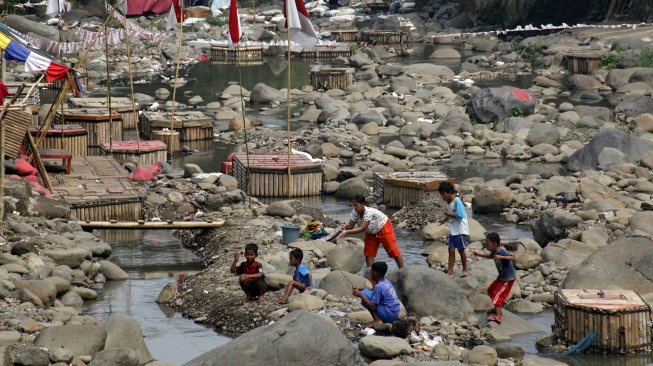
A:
{"x": 346, "y": 257}
{"x": 112, "y": 272}
{"x": 31, "y": 356}
{"x": 305, "y": 302}
{"x": 445, "y": 53}
{"x": 72, "y": 299}
{"x": 632, "y": 146}
{"x": 79, "y": 339}
{"x": 115, "y": 357}
{"x": 492, "y": 200}
{"x": 553, "y": 224}
{"x": 262, "y": 93}
{"x": 281, "y": 209}
{"x": 339, "y": 283}
{"x": 482, "y": 355}
{"x": 351, "y": 187}
{"x": 123, "y": 332}
{"x": 69, "y": 257}
{"x": 50, "y": 208}
{"x": 624, "y": 263}
{"x": 540, "y": 361}
{"x": 190, "y": 169}
{"x": 297, "y": 338}
{"x": 514, "y": 124}
{"x": 634, "y": 105}
{"x": 429, "y": 69}
{"x": 22, "y": 228}
{"x": 584, "y": 82}
{"x": 448, "y": 303}
{"x": 60, "y": 355}
{"x": 44, "y": 289}
{"x": 610, "y": 156}
{"x": 497, "y": 104}
{"x": 543, "y": 133}
{"x": 168, "y": 293}
{"x": 376, "y": 347}
{"x": 27, "y": 26}
{"x": 228, "y": 182}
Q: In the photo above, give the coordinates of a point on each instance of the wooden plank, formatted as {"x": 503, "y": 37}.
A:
{"x": 150, "y": 225}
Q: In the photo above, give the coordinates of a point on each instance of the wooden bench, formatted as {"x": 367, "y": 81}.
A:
{"x": 65, "y": 156}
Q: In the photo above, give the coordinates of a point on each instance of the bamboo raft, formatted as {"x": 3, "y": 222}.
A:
{"x": 72, "y": 138}
{"x": 269, "y": 175}
{"x": 398, "y": 189}
{"x": 123, "y": 106}
{"x": 98, "y": 123}
{"x": 344, "y": 35}
{"x": 621, "y": 320}
{"x": 583, "y": 62}
{"x": 191, "y": 125}
{"x": 99, "y": 189}
{"x": 384, "y": 37}
{"x": 150, "y": 225}
{"x": 332, "y": 78}
{"x": 16, "y": 122}
{"x": 324, "y": 53}
{"x": 170, "y": 138}
{"x": 241, "y": 54}
{"x": 144, "y": 152}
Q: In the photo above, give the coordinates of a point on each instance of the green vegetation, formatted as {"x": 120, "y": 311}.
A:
{"x": 515, "y": 44}
{"x": 646, "y": 58}
{"x": 532, "y": 53}
{"x": 516, "y": 112}
{"x": 353, "y": 48}
{"x": 609, "y": 61}
{"x": 217, "y": 21}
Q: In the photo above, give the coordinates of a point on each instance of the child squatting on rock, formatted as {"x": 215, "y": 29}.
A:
{"x": 500, "y": 288}
{"x": 251, "y": 274}
{"x": 382, "y": 302}
{"x": 458, "y": 230}
{"x": 302, "y": 280}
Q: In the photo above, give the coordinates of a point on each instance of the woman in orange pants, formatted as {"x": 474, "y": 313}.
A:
{"x": 378, "y": 230}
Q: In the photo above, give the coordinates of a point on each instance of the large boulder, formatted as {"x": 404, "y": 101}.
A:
{"x": 448, "y": 302}
{"x": 553, "y": 224}
{"x": 339, "y": 283}
{"x": 351, "y": 187}
{"x": 492, "y": 200}
{"x": 429, "y": 70}
{"x": 634, "y": 105}
{"x": 45, "y": 290}
{"x": 123, "y": 332}
{"x": 643, "y": 221}
{"x": 542, "y": 133}
{"x": 497, "y": 104}
{"x": 299, "y": 338}
{"x": 27, "y": 26}
{"x": 625, "y": 263}
{"x": 70, "y": 257}
{"x": 115, "y": 357}
{"x": 587, "y": 158}
{"x": 262, "y": 93}
{"x": 80, "y": 339}
{"x": 376, "y": 347}
{"x": 346, "y": 257}
{"x": 568, "y": 252}
{"x": 584, "y": 82}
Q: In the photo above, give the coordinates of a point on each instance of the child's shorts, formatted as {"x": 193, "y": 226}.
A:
{"x": 384, "y": 314}
{"x": 458, "y": 241}
{"x": 385, "y": 237}
{"x": 499, "y": 291}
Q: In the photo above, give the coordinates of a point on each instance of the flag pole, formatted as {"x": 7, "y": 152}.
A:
{"x": 106, "y": 55}
{"x": 242, "y": 107}
{"x": 288, "y": 96}
{"x": 131, "y": 85}
{"x": 174, "y": 88}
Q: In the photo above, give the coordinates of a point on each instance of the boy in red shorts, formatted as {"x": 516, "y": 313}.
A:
{"x": 378, "y": 230}
{"x": 500, "y": 288}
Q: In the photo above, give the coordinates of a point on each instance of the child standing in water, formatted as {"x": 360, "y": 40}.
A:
{"x": 458, "y": 230}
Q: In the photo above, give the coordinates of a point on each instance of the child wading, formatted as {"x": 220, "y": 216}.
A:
{"x": 251, "y": 274}
{"x": 382, "y": 302}
{"x": 500, "y": 288}
{"x": 458, "y": 230}
{"x": 302, "y": 280}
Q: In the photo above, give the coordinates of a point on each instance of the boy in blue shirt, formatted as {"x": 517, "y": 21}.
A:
{"x": 302, "y": 280}
{"x": 458, "y": 230}
{"x": 382, "y": 302}
{"x": 500, "y": 288}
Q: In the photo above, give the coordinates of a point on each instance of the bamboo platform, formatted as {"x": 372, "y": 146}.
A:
{"x": 98, "y": 123}
{"x": 119, "y": 236}
{"x": 190, "y": 125}
{"x": 73, "y": 138}
{"x": 144, "y": 152}
{"x": 118, "y": 104}
{"x": 332, "y": 78}
{"x": 398, "y": 189}
{"x": 241, "y": 54}
{"x": 150, "y": 225}
{"x": 583, "y": 62}
{"x": 324, "y": 53}
{"x": 344, "y": 35}
{"x": 269, "y": 175}
{"x": 621, "y": 320}
{"x": 99, "y": 189}
{"x": 384, "y": 37}
{"x": 170, "y": 138}
{"x": 16, "y": 122}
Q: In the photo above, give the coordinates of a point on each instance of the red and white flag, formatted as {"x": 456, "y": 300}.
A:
{"x": 298, "y": 24}
{"x": 56, "y": 7}
{"x": 235, "y": 31}
{"x": 175, "y": 15}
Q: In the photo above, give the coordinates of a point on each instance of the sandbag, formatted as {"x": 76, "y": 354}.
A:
{"x": 146, "y": 172}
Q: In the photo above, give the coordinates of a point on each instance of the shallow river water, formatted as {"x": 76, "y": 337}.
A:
{"x": 153, "y": 258}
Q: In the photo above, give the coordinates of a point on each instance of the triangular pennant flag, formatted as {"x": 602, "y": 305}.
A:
{"x": 56, "y": 7}
{"x": 235, "y": 31}
{"x": 298, "y": 23}
{"x": 175, "y": 15}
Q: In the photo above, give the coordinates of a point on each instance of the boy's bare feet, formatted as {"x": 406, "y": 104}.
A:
{"x": 261, "y": 298}
{"x": 464, "y": 274}
{"x": 282, "y": 301}
{"x": 247, "y": 299}
{"x": 373, "y": 323}
{"x": 450, "y": 274}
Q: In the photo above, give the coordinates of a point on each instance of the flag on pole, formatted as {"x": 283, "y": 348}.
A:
{"x": 235, "y": 31}
{"x": 56, "y": 7}
{"x": 298, "y": 24}
{"x": 174, "y": 16}
{"x": 33, "y": 59}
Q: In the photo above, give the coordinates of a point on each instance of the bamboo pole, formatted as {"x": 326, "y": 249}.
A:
{"x": 5, "y": 108}
{"x": 242, "y": 107}
{"x": 106, "y": 55}
{"x": 131, "y": 85}
{"x": 174, "y": 87}
{"x": 288, "y": 98}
